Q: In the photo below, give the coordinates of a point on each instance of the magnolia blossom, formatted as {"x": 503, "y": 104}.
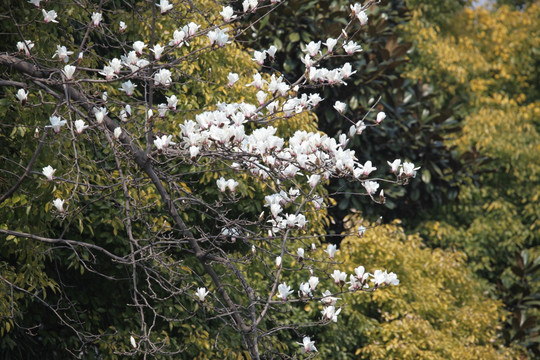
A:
{"x": 362, "y": 17}
{"x": 304, "y": 290}
{"x": 163, "y": 77}
{"x": 361, "y": 231}
{"x": 218, "y": 37}
{"x": 395, "y": 165}
{"x": 227, "y": 14}
{"x": 96, "y": 18}
{"x": 313, "y": 180}
{"x": 330, "y": 43}
{"x": 25, "y": 46}
{"x": 56, "y": 123}
{"x": 172, "y": 101}
{"x": 307, "y": 345}
{"x": 22, "y": 96}
{"x": 59, "y": 204}
{"x": 68, "y": 71}
{"x": 370, "y": 186}
{"x": 380, "y": 117}
{"x": 331, "y": 250}
{"x": 49, "y": 16}
{"x": 162, "y": 110}
{"x": 408, "y": 169}
{"x": 339, "y": 277}
{"x": 122, "y": 26}
{"x": 340, "y": 106}
{"x": 351, "y": 47}
{"x": 62, "y": 53}
{"x": 381, "y": 278}
{"x": 271, "y": 52}
{"x": 178, "y": 38}
{"x": 100, "y": 114}
{"x": 35, "y": 2}
{"x": 313, "y": 48}
{"x": 128, "y": 87}
{"x": 249, "y": 4}
{"x": 164, "y": 6}
{"x": 48, "y": 171}
{"x": 259, "y": 56}
{"x": 157, "y": 50}
{"x": 328, "y": 299}
{"x": 313, "y": 282}
{"x": 284, "y": 291}
{"x": 132, "y": 341}
{"x": 278, "y": 262}
{"x": 117, "y": 132}
{"x": 300, "y": 253}
{"x": 139, "y": 46}
{"x": 330, "y": 313}
{"x": 201, "y": 293}
{"x": 368, "y": 168}
{"x": 80, "y": 126}
{"x": 232, "y": 77}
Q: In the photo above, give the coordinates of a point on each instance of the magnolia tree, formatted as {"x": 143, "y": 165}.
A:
{"x": 196, "y": 210}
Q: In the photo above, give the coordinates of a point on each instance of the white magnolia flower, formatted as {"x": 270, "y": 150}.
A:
{"x": 284, "y": 291}
{"x": 157, "y": 50}
{"x": 100, "y": 114}
{"x": 370, "y": 186}
{"x": 139, "y": 46}
{"x": 271, "y": 52}
{"x": 218, "y": 37}
{"x": 340, "y": 106}
{"x": 62, "y": 53}
{"x": 394, "y": 165}
{"x": 227, "y": 14}
{"x": 35, "y": 2}
{"x": 300, "y": 253}
{"x": 163, "y": 77}
{"x": 179, "y": 37}
{"x": 49, "y": 16}
{"x": 22, "y": 96}
{"x": 361, "y": 231}
{"x": 408, "y": 169}
{"x": 339, "y": 277}
{"x": 330, "y": 43}
{"x": 304, "y": 290}
{"x": 68, "y": 71}
{"x": 25, "y": 46}
{"x": 117, "y": 132}
{"x": 330, "y": 313}
{"x": 56, "y": 123}
{"x": 313, "y": 282}
{"x": 201, "y": 293}
{"x": 259, "y": 56}
{"x": 351, "y": 47}
{"x": 128, "y": 87}
{"x": 48, "y": 171}
{"x": 162, "y": 110}
{"x": 132, "y": 341}
{"x": 327, "y": 299}
{"x": 172, "y": 101}
{"x": 232, "y": 77}
{"x": 59, "y": 204}
{"x": 331, "y": 250}
{"x": 362, "y": 17}
{"x": 278, "y": 262}
{"x": 164, "y": 6}
{"x": 96, "y": 18}
{"x": 122, "y": 27}
{"x": 368, "y": 168}
{"x": 80, "y": 126}
{"x": 380, "y": 117}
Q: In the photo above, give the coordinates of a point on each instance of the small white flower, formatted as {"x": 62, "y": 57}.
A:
{"x": 48, "y": 171}
{"x": 307, "y": 345}
{"x": 330, "y": 43}
{"x": 330, "y": 313}
{"x": 313, "y": 282}
{"x": 284, "y": 291}
{"x": 122, "y": 27}
{"x": 278, "y": 262}
{"x": 62, "y": 53}
{"x": 56, "y": 123}
{"x": 331, "y": 250}
{"x": 351, "y": 47}
{"x": 25, "y": 46}
{"x": 232, "y": 77}
{"x": 68, "y": 71}
{"x": 408, "y": 169}
{"x": 201, "y": 293}
{"x": 139, "y": 46}
{"x": 362, "y": 17}
{"x": 380, "y": 117}
{"x": 340, "y": 106}
{"x": 80, "y": 126}
{"x": 361, "y": 231}
{"x": 227, "y": 14}
{"x": 100, "y": 114}
{"x": 157, "y": 50}
{"x": 300, "y": 253}
{"x": 117, "y": 132}
{"x": 96, "y": 18}
{"x": 22, "y": 95}
{"x": 49, "y": 16}
{"x": 128, "y": 87}
{"x": 370, "y": 186}
{"x": 59, "y": 204}
{"x": 394, "y": 165}
{"x": 339, "y": 277}
{"x": 164, "y": 6}
{"x": 132, "y": 341}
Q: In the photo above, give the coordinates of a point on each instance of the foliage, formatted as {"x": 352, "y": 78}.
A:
{"x": 440, "y": 310}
